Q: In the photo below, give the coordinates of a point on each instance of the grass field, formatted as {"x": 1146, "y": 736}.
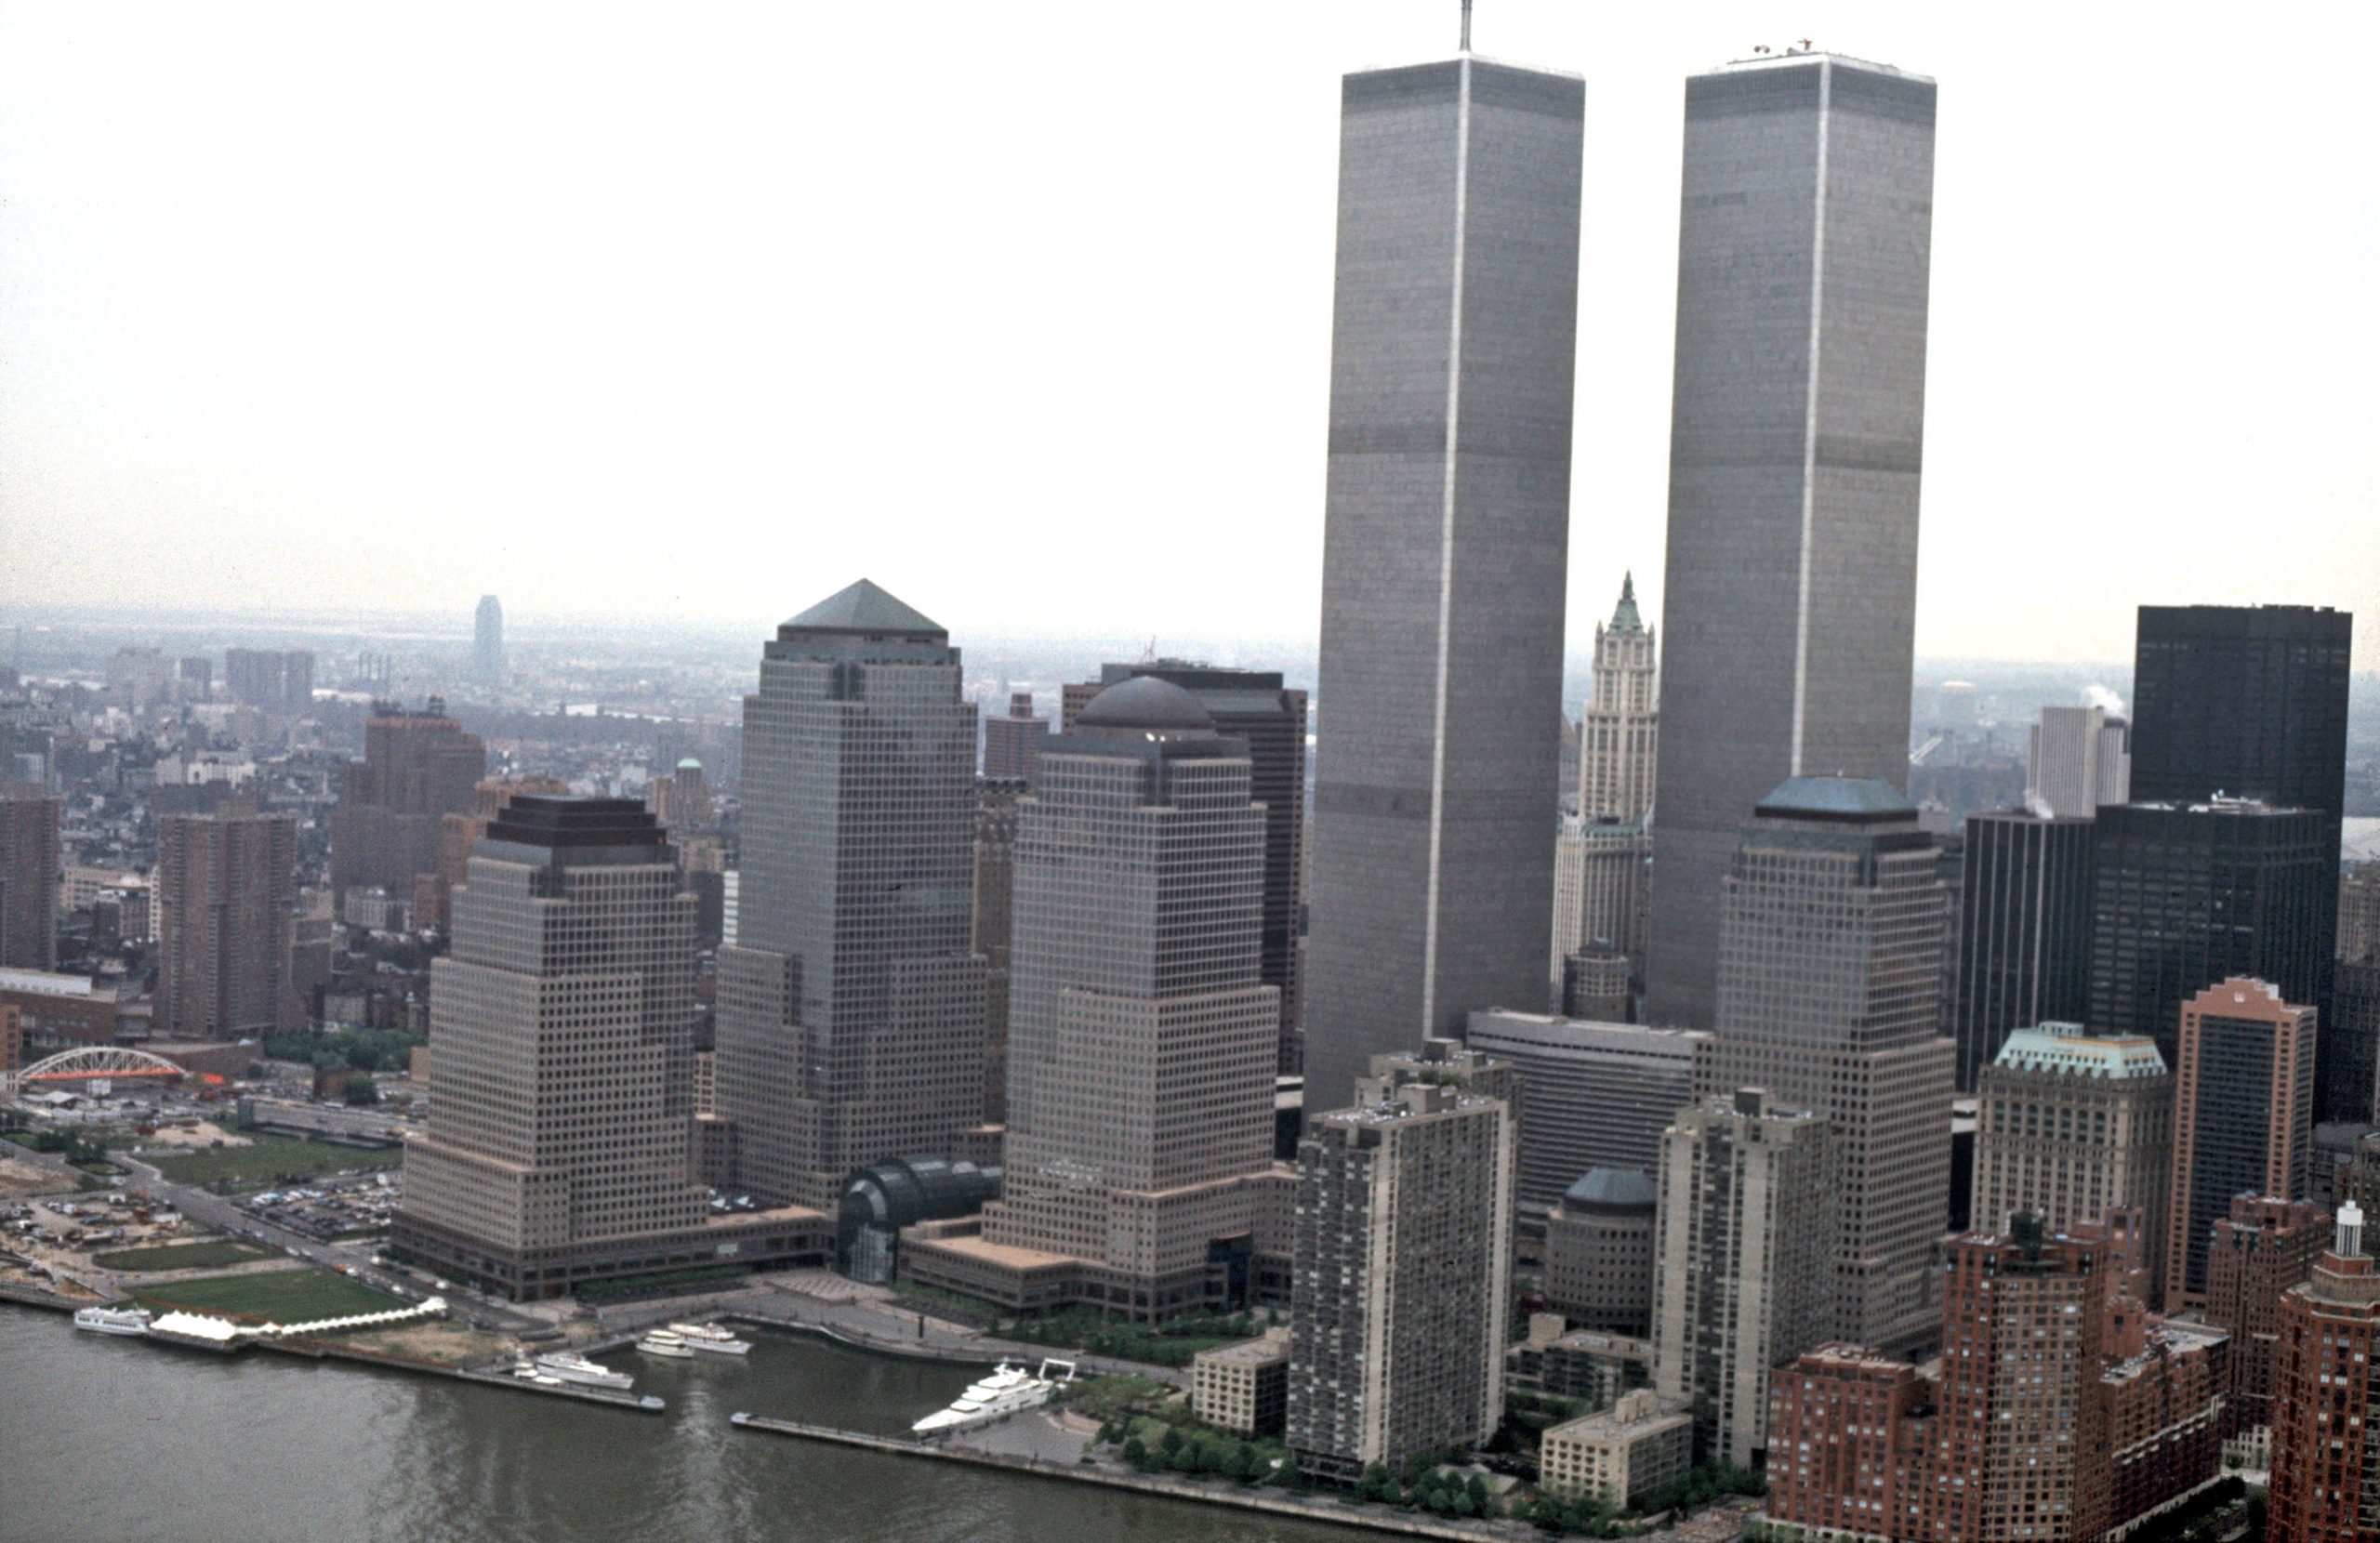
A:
{"x": 182, "y": 1256}
{"x": 280, "y": 1297}
{"x": 268, "y": 1162}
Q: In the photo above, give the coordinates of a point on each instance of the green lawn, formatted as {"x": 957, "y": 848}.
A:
{"x": 278, "y": 1297}
{"x": 182, "y": 1256}
{"x": 270, "y": 1161}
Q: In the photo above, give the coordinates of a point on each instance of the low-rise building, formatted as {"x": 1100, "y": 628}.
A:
{"x": 1621, "y": 1454}
{"x": 1580, "y": 1364}
{"x": 1243, "y": 1386}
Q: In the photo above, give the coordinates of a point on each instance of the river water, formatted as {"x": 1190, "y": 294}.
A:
{"x": 113, "y": 1438}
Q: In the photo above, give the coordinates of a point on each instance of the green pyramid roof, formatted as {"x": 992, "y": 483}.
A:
{"x": 865, "y": 607}
{"x": 1625, "y": 619}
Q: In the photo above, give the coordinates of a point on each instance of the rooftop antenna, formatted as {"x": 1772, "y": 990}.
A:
{"x": 1466, "y": 26}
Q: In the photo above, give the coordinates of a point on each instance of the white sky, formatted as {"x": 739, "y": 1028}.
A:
{"x": 1023, "y": 309}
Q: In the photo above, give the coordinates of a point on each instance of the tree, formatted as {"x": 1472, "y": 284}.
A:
{"x": 1241, "y": 1463}
{"x": 1548, "y": 1513}
{"x": 1463, "y": 1505}
{"x": 1292, "y": 1476}
{"x": 1170, "y": 1442}
{"x": 1136, "y": 1452}
{"x": 1373, "y": 1483}
{"x": 361, "y": 1089}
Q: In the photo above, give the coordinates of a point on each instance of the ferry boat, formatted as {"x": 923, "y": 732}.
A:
{"x": 711, "y": 1338}
{"x": 113, "y": 1320}
{"x": 578, "y": 1368}
{"x": 1006, "y": 1391}
{"x": 660, "y": 1341}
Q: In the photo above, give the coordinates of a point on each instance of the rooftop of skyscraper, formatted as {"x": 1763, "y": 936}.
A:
{"x": 867, "y": 607}
{"x": 2071, "y": 1047}
{"x": 1801, "y": 52}
{"x": 1860, "y": 799}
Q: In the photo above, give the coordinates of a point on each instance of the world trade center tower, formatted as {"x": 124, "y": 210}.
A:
{"x": 1445, "y": 545}
{"x": 1796, "y": 427}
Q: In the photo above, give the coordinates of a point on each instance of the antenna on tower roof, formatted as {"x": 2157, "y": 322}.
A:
{"x": 1466, "y": 26}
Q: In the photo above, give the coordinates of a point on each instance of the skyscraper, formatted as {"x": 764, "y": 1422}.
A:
{"x": 417, "y": 767}
{"x": 2184, "y": 895}
{"x": 2077, "y": 758}
{"x": 1141, "y": 1037}
{"x": 1830, "y": 997}
{"x": 1252, "y": 705}
{"x": 1011, "y": 743}
{"x": 226, "y": 883}
{"x": 271, "y": 682}
{"x": 1620, "y": 733}
{"x": 30, "y": 872}
{"x": 2244, "y": 1116}
{"x": 2326, "y": 1418}
{"x": 851, "y": 1016}
{"x": 1602, "y": 888}
{"x": 487, "y": 640}
{"x": 2024, "y": 934}
{"x": 994, "y": 928}
{"x": 1748, "y": 1219}
{"x": 1445, "y": 544}
{"x": 561, "y": 1039}
{"x": 1796, "y": 433}
{"x": 2262, "y": 1248}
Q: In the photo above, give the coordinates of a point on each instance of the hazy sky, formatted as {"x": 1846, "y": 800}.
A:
{"x": 1023, "y": 309}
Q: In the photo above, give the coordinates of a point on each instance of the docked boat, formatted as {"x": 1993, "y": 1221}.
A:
{"x": 1006, "y": 1391}
{"x": 531, "y": 1375}
{"x": 660, "y": 1341}
{"x": 578, "y": 1368}
{"x": 113, "y": 1320}
{"x": 710, "y": 1338}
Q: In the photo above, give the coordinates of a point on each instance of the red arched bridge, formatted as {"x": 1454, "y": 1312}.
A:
{"x": 90, "y": 1064}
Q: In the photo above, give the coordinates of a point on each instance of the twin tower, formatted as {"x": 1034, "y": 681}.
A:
{"x": 1797, "y": 425}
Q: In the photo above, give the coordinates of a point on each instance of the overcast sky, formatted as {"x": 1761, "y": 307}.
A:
{"x": 1023, "y": 309}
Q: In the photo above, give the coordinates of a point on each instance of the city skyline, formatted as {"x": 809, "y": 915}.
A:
{"x": 124, "y": 365}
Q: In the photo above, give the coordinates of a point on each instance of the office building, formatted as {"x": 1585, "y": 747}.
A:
{"x": 457, "y": 833}
{"x": 1603, "y": 874}
{"x": 2244, "y": 1116}
{"x": 2071, "y": 1124}
{"x": 1621, "y": 1454}
{"x": 226, "y": 885}
{"x": 1592, "y": 1094}
{"x": 1600, "y": 1245}
{"x": 1401, "y": 1276}
{"x": 1830, "y": 997}
{"x": 2184, "y": 895}
{"x": 2360, "y": 914}
{"x": 1750, "y": 1194}
{"x": 1444, "y": 554}
{"x": 1597, "y": 986}
{"x": 681, "y": 799}
{"x": 29, "y": 875}
{"x": 1244, "y": 1388}
{"x": 2351, "y": 1044}
{"x": 2059, "y": 1411}
{"x": 1011, "y": 743}
{"x": 562, "y": 1045}
{"x": 851, "y": 1012}
{"x": 1620, "y": 733}
{"x": 275, "y": 683}
{"x": 1560, "y": 1361}
{"x": 1254, "y": 706}
{"x": 196, "y": 678}
{"x": 2024, "y": 932}
{"x": 994, "y": 925}
{"x": 417, "y": 767}
{"x": 2076, "y": 759}
{"x": 1797, "y": 428}
{"x": 1141, "y": 1037}
{"x": 2325, "y": 1487}
{"x": 487, "y": 640}
{"x": 2258, "y": 1252}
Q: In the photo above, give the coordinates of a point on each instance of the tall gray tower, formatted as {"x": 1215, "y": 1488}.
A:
{"x": 1796, "y": 428}
{"x": 851, "y": 1020}
{"x": 1445, "y": 559}
{"x": 487, "y": 640}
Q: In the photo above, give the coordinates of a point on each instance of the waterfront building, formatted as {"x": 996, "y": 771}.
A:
{"x": 1400, "y": 1282}
{"x": 1244, "y": 1387}
{"x": 1592, "y": 1094}
{"x": 487, "y": 640}
{"x": 2023, "y": 926}
{"x": 1620, "y": 732}
{"x": 417, "y": 767}
{"x": 1750, "y": 1194}
{"x": 1254, "y": 706}
{"x": 1600, "y": 1247}
{"x": 30, "y": 874}
{"x": 562, "y": 1038}
{"x": 1141, "y": 1037}
{"x": 1011, "y": 743}
{"x": 2189, "y": 894}
{"x": 2244, "y": 1116}
{"x": 1619, "y": 1456}
{"x": 2076, "y": 759}
{"x": 2264, "y": 1248}
{"x": 1830, "y": 997}
{"x": 1445, "y": 555}
{"x": 226, "y": 889}
{"x": 1797, "y": 428}
{"x": 2071, "y": 1124}
{"x": 2324, "y": 1486}
{"x": 851, "y": 1012}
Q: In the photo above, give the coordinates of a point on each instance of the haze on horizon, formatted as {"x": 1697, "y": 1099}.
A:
{"x": 1025, "y": 313}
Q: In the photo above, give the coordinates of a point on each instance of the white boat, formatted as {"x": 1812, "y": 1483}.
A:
{"x": 662, "y": 1342}
{"x": 710, "y": 1338}
{"x": 113, "y": 1320}
{"x": 578, "y": 1368}
{"x": 1008, "y": 1390}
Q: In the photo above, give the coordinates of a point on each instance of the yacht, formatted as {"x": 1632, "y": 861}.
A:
{"x": 1006, "y": 1391}
{"x": 711, "y": 1338}
{"x": 578, "y": 1368}
{"x": 660, "y": 1341}
{"x": 530, "y": 1374}
{"x": 113, "y": 1320}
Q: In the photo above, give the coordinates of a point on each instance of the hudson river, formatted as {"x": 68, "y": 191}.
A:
{"x": 104, "y": 1438}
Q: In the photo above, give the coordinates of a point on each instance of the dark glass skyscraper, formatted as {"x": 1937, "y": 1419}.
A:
{"x": 2024, "y": 932}
{"x": 1797, "y": 425}
{"x": 1445, "y": 559}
